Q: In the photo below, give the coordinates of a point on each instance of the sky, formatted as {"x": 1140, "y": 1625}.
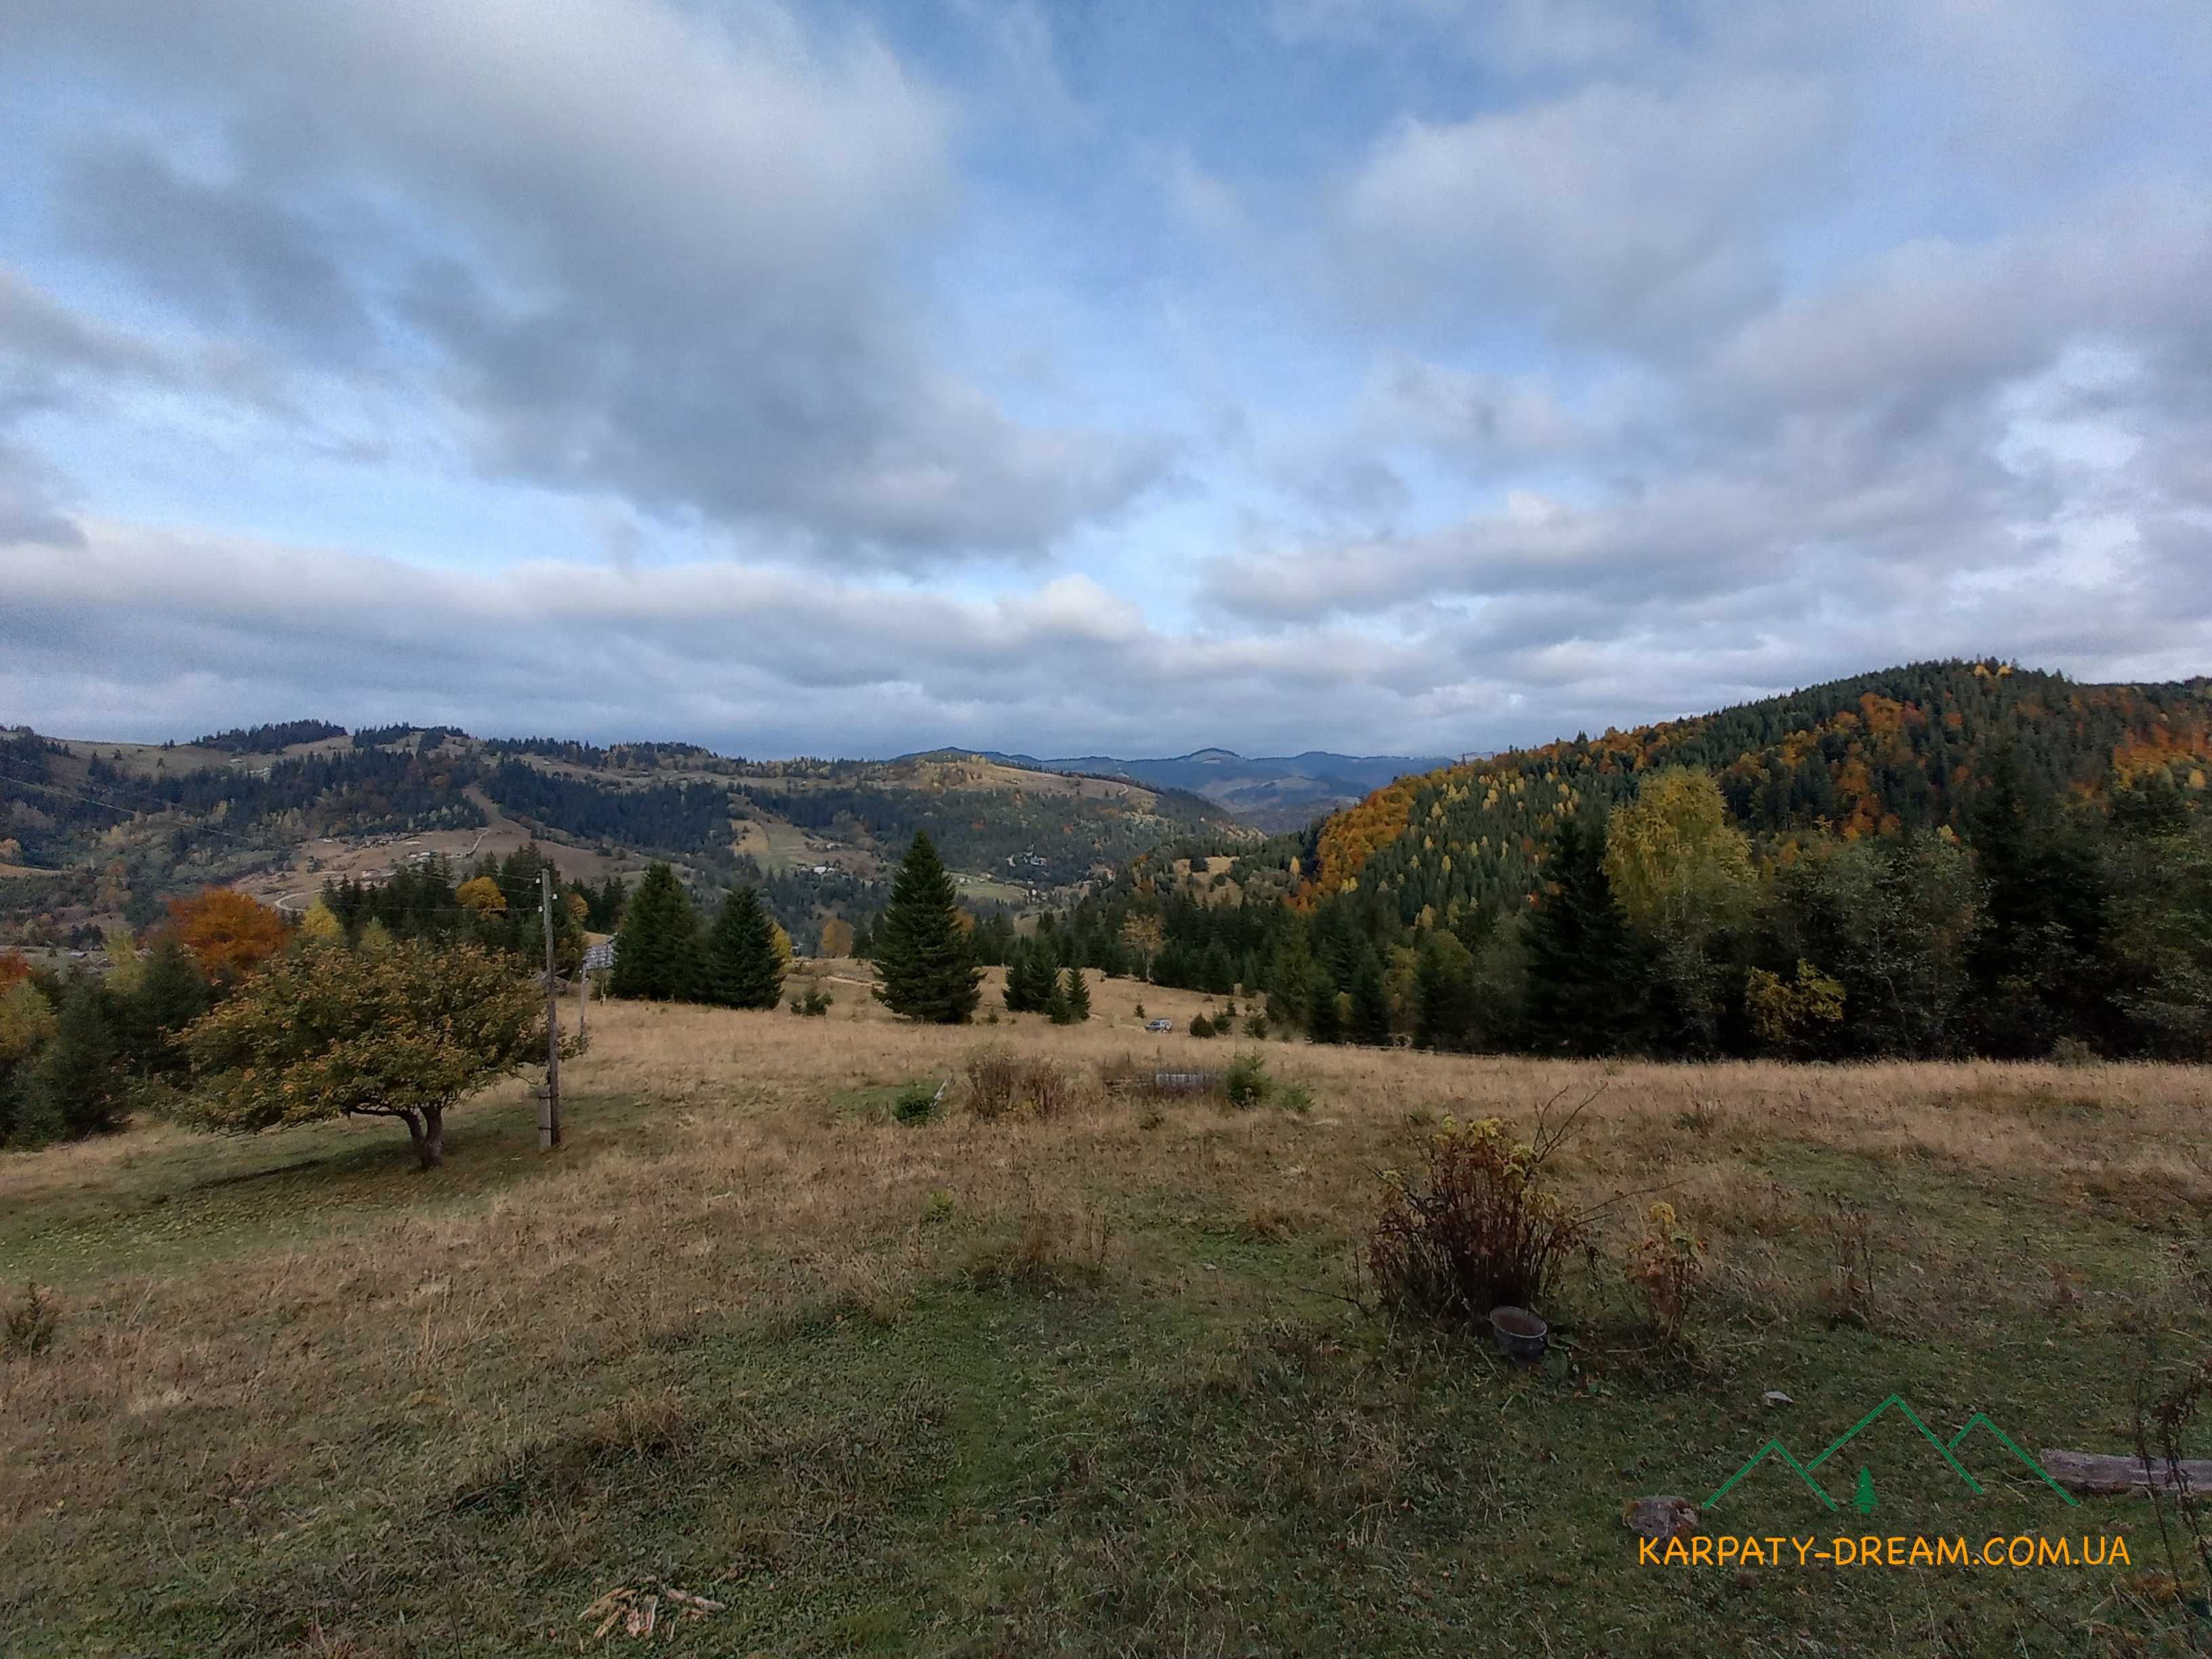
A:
{"x": 1407, "y": 376}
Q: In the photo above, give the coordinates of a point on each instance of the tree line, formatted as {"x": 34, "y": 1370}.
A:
{"x": 2046, "y": 921}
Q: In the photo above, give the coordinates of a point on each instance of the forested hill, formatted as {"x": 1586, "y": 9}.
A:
{"x": 1903, "y": 747}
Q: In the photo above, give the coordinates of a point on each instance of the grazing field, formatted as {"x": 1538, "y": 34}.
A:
{"x": 1105, "y": 1382}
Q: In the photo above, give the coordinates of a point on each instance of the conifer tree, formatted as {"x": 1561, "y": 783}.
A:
{"x": 1445, "y": 993}
{"x": 1078, "y": 996}
{"x": 171, "y": 993}
{"x": 921, "y": 951}
{"x": 78, "y": 1084}
{"x": 1323, "y": 1021}
{"x": 1029, "y": 978}
{"x": 657, "y": 951}
{"x": 1584, "y": 992}
{"x": 743, "y": 968}
{"x": 1370, "y": 1006}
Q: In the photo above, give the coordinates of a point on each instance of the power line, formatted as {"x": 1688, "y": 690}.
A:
{"x": 115, "y": 806}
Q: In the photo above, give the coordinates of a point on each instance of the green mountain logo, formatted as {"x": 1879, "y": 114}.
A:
{"x": 1947, "y": 1449}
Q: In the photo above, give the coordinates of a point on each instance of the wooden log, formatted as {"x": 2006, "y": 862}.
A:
{"x": 2096, "y": 1473}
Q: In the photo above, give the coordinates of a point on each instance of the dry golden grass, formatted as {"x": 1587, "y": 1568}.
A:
{"x": 273, "y": 1343}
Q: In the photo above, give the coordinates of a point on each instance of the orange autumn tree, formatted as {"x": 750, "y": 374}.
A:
{"x": 229, "y": 932}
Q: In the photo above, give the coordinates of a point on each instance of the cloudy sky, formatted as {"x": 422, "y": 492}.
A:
{"x": 1121, "y": 375}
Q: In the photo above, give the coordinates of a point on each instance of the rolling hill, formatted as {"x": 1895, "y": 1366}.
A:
{"x": 1272, "y": 793}
{"x": 1901, "y": 747}
{"x": 94, "y": 830}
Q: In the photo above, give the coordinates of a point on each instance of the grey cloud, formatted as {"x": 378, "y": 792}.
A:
{"x": 650, "y": 251}
{"x": 143, "y": 634}
{"x": 31, "y": 508}
{"x": 1478, "y": 417}
{"x": 228, "y": 255}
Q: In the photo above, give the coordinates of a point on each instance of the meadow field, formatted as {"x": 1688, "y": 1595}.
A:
{"x": 805, "y": 1377}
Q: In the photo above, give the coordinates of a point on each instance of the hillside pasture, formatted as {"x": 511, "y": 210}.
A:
{"x": 1107, "y": 1382}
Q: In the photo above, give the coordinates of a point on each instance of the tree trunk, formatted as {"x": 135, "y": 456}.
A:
{"x": 430, "y": 1137}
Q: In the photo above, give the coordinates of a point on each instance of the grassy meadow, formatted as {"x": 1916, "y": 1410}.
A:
{"x": 1102, "y": 1383}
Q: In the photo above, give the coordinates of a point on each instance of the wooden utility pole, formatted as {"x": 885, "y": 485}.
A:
{"x": 548, "y": 1107}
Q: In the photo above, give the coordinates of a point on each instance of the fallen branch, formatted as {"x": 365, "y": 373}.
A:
{"x": 2096, "y": 1472}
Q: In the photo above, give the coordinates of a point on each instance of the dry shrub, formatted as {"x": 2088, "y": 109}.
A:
{"x": 1850, "y": 1230}
{"x": 1053, "y": 1250}
{"x": 1001, "y": 1082}
{"x": 2165, "y": 1421}
{"x": 1668, "y": 1265}
{"x": 1483, "y": 1227}
{"x": 30, "y": 1326}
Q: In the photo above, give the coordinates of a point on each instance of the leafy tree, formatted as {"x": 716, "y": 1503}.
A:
{"x": 837, "y": 937}
{"x": 26, "y": 1024}
{"x": 744, "y": 969}
{"x": 1790, "y": 1015}
{"x": 319, "y": 925}
{"x": 1893, "y": 921}
{"x": 229, "y": 932}
{"x": 921, "y": 950}
{"x": 1682, "y": 874}
{"x": 481, "y": 894}
{"x": 124, "y": 963}
{"x": 657, "y": 953}
{"x": 406, "y": 1034}
{"x": 2162, "y": 936}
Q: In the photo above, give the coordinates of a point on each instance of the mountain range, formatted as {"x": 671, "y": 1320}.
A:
{"x": 1268, "y": 791}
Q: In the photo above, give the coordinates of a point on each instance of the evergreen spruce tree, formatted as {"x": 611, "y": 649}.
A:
{"x": 1584, "y": 993}
{"x": 1370, "y": 1006}
{"x": 1322, "y": 1023}
{"x": 921, "y": 951}
{"x": 1031, "y": 977}
{"x": 1446, "y": 993}
{"x": 1074, "y": 997}
{"x": 2034, "y": 962}
{"x": 171, "y": 992}
{"x": 657, "y": 951}
{"x": 743, "y": 968}
{"x": 78, "y": 1085}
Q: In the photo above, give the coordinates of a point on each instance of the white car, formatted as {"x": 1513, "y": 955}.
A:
{"x": 1159, "y": 1025}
